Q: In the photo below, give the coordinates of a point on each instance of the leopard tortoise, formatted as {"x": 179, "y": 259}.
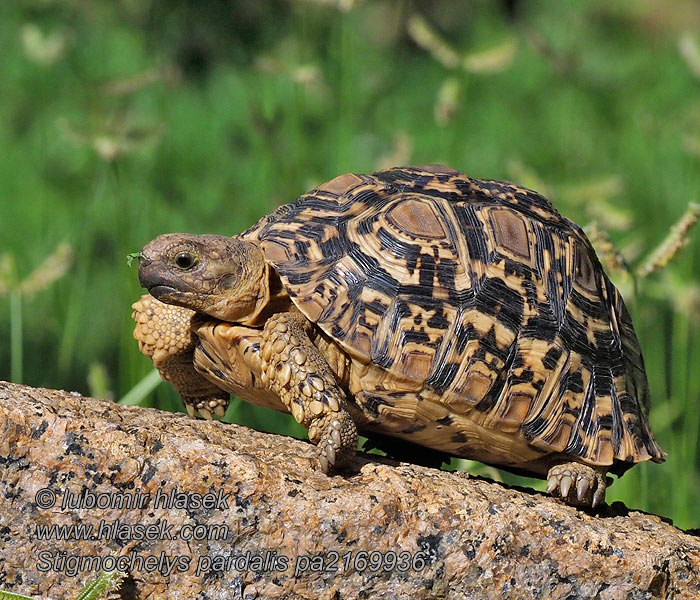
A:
{"x": 460, "y": 314}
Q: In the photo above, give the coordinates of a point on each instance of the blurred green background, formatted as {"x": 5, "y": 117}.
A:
{"x": 124, "y": 119}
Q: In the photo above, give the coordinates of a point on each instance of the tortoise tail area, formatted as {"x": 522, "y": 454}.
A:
{"x": 597, "y": 404}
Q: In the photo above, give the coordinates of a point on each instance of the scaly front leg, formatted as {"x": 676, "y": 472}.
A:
{"x": 296, "y": 371}
{"x": 164, "y": 333}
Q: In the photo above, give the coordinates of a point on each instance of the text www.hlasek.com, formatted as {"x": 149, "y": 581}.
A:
{"x": 125, "y": 532}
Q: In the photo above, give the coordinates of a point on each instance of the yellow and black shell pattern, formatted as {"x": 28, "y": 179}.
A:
{"x": 477, "y": 292}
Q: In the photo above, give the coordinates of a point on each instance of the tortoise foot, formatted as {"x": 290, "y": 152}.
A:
{"x": 335, "y": 436}
{"x": 577, "y": 484}
{"x": 206, "y": 407}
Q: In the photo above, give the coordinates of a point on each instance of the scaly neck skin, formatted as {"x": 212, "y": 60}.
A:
{"x": 277, "y": 301}
{"x": 250, "y": 288}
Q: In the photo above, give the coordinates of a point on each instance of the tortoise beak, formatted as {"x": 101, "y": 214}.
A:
{"x": 147, "y": 274}
{"x": 151, "y": 277}
{"x": 156, "y": 285}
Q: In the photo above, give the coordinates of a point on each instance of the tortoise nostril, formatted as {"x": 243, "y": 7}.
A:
{"x": 145, "y": 271}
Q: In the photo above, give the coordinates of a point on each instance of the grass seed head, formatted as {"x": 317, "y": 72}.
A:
{"x": 611, "y": 258}
{"x": 429, "y": 39}
{"x": 675, "y": 241}
{"x": 52, "y": 268}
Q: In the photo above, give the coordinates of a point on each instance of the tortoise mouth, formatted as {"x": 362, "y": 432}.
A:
{"x": 158, "y": 284}
{"x": 159, "y": 290}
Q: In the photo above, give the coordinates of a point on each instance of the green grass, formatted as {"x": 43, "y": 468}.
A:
{"x": 154, "y": 118}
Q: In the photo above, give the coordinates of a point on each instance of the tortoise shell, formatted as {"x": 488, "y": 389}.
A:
{"x": 467, "y": 299}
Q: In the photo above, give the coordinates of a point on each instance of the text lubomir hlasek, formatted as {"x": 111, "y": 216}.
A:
{"x": 136, "y": 500}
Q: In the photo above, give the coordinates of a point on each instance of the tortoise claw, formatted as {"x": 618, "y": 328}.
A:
{"x": 598, "y": 497}
{"x": 329, "y": 450}
{"x": 324, "y": 461}
{"x": 565, "y": 485}
{"x": 581, "y": 489}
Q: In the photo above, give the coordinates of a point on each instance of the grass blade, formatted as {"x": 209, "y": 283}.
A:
{"x": 16, "y": 336}
{"x": 140, "y": 391}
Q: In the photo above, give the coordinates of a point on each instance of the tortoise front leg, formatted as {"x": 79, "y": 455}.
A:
{"x": 164, "y": 333}
{"x": 296, "y": 371}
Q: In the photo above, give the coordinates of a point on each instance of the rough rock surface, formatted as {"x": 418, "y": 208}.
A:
{"x": 293, "y": 532}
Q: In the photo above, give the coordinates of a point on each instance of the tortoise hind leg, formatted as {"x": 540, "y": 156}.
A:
{"x": 294, "y": 368}
{"x": 164, "y": 334}
{"x": 577, "y": 484}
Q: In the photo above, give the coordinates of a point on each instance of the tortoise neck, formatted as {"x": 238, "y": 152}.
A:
{"x": 277, "y": 300}
{"x": 254, "y": 296}
{"x": 243, "y": 288}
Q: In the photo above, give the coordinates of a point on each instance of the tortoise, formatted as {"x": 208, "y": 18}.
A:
{"x": 463, "y": 315}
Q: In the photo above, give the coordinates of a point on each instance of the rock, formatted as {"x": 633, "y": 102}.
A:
{"x": 386, "y": 531}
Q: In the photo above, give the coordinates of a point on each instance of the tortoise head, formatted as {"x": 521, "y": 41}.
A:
{"x": 224, "y": 277}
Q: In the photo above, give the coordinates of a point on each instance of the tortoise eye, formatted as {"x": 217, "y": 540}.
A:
{"x": 185, "y": 260}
